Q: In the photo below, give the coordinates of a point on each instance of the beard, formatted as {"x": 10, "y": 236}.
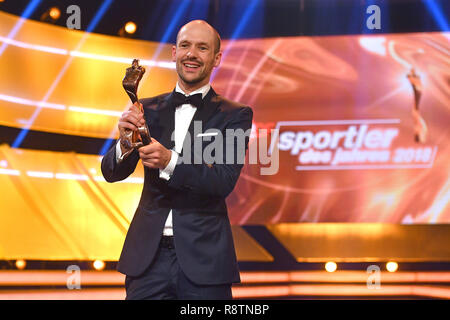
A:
{"x": 199, "y": 78}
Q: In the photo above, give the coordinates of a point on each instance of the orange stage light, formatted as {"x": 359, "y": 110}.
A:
{"x": 55, "y": 13}
{"x": 391, "y": 266}
{"x": 330, "y": 266}
{"x": 130, "y": 27}
{"x": 21, "y": 264}
{"x": 98, "y": 265}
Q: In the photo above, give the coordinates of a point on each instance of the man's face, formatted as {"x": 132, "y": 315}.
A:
{"x": 194, "y": 54}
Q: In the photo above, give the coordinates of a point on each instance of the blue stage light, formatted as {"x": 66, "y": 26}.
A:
{"x": 98, "y": 16}
{"x": 248, "y": 13}
{"x": 32, "y": 5}
{"x": 244, "y": 20}
{"x": 433, "y": 6}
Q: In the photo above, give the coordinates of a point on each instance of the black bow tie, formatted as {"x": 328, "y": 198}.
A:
{"x": 178, "y": 99}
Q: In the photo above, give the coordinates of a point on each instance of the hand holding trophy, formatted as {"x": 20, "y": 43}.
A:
{"x": 133, "y": 129}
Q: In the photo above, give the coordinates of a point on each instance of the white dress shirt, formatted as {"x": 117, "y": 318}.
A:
{"x": 183, "y": 118}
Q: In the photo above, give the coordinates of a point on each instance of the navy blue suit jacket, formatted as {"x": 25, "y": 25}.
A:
{"x": 195, "y": 192}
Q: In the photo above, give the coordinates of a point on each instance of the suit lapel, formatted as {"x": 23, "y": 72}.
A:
{"x": 166, "y": 122}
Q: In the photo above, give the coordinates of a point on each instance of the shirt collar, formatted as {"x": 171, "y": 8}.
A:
{"x": 203, "y": 90}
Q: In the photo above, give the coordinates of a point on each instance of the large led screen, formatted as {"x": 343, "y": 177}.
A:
{"x": 361, "y": 125}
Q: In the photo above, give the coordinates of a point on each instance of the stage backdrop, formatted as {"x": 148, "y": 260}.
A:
{"x": 342, "y": 107}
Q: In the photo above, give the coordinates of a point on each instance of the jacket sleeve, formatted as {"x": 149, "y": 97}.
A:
{"x": 113, "y": 171}
{"x": 217, "y": 179}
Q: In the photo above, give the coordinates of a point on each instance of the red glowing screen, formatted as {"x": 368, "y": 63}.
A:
{"x": 361, "y": 124}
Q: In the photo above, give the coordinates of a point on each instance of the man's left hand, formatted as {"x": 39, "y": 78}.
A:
{"x": 155, "y": 155}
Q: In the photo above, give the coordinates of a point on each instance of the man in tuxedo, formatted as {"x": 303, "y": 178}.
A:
{"x": 179, "y": 244}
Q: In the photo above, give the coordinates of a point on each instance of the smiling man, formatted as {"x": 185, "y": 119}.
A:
{"x": 194, "y": 70}
{"x": 179, "y": 244}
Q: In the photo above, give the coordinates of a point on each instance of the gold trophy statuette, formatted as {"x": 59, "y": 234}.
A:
{"x": 141, "y": 137}
{"x": 420, "y": 127}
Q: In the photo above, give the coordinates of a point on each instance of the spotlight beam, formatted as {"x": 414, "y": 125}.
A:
{"x": 439, "y": 16}
{"x": 237, "y": 32}
{"x": 98, "y": 16}
{"x": 25, "y": 15}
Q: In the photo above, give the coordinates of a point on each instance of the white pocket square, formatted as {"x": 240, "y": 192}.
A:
{"x": 207, "y": 134}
